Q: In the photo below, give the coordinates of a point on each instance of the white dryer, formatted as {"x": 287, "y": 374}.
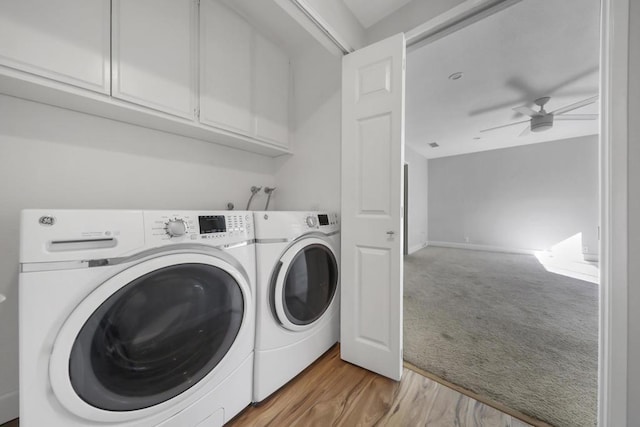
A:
{"x": 135, "y": 318}
{"x": 298, "y": 310}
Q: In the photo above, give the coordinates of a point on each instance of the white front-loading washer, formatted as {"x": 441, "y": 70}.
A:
{"x": 135, "y": 318}
{"x": 297, "y": 294}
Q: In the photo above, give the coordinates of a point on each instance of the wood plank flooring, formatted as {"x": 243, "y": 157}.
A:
{"x": 332, "y": 392}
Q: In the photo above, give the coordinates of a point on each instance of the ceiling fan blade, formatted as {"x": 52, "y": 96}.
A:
{"x": 576, "y": 117}
{"x": 526, "y": 131}
{"x": 505, "y": 126}
{"x": 524, "y": 110}
{"x": 576, "y": 105}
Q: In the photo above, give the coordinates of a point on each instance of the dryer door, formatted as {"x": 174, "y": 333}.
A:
{"x": 149, "y": 334}
{"x": 304, "y": 283}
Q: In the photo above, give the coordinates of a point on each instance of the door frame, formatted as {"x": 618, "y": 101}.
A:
{"x": 614, "y": 70}
{"x": 613, "y": 147}
{"x": 613, "y": 186}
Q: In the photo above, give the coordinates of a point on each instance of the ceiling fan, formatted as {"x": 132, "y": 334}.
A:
{"x": 541, "y": 120}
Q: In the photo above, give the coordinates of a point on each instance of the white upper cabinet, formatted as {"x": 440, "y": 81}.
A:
{"x": 244, "y": 77}
{"x": 225, "y": 68}
{"x": 198, "y": 68}
{"x": 63, "y": 40}
{"x": 271, "y": 98}
{"x": 154, "y": 52}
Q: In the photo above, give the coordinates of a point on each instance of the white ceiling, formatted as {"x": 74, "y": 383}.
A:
{"x": 529, "y": 50}
{"x": 368, "y": 12}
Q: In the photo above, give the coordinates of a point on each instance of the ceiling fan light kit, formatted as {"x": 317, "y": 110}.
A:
{"x": 542, "y": 123}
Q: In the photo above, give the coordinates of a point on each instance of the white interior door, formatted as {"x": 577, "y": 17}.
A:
{"x": 372, "y": 160}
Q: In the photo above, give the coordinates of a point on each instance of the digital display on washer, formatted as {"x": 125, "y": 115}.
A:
{"x": 212, "y": 224}
{"x": 323, "y": 219}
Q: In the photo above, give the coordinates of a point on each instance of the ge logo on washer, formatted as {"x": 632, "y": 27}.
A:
{"x": 47, "y": 220}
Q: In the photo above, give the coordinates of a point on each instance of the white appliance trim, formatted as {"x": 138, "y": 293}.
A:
{"x": 58, "y": 365}
{"x": 286, "y": 259}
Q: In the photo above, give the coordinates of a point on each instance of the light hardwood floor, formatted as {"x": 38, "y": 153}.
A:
{"x": 332, "y": 392}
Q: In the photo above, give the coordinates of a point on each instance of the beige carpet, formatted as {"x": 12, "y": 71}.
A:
{"x": 502, "y": 326}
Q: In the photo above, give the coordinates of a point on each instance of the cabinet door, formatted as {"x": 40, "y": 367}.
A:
{"x": 225, "y": 68}
{"x": 154, "y": 54}
{"x": 271, "y": 76}
{"x": 64, "y": 40}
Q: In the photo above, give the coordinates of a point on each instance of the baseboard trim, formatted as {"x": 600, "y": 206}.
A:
{"x": 9, "y": 407}
{"x": 416, "y": 248}
{"x": 586, "y": 257}
{"x": 486, "y": 248}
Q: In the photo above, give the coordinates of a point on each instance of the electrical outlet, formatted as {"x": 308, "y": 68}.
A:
{"x": 585, "y": 249}
{"x": 466, "y": 239}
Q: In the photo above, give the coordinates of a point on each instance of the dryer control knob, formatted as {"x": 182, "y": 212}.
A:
{"x": 176, "y": 227}
{"x": 312, "y": 221}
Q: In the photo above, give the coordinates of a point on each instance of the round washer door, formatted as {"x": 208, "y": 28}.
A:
{"x": 148, "y": 336}
{"x": 305, "y": 284}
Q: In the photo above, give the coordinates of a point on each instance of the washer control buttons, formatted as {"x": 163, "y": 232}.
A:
{"x": 176, "y": 227}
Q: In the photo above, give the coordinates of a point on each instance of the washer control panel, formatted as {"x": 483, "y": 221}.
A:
{"x": 214, "y": 227}
{"x": 176, "y": 227}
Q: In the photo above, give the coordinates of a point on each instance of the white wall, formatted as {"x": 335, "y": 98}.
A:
{"x": 527, "y": 197}
{"x": 634, "y": 216}
{"x": 418, "y": 201}
{"x": 56, "y": 158}
{"x": 310, "y": 179}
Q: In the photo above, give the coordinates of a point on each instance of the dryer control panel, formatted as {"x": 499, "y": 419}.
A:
{"x": 293, "y": 224}
{"x": 320, "y": 220}
{"x": 211, "y": 227}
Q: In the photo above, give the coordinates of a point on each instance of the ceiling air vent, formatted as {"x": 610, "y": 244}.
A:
{"x": 434, "y": 145}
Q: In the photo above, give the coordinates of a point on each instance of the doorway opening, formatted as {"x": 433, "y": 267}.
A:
{"x": 504, "y": 299}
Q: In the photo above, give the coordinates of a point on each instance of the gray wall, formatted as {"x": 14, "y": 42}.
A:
{"x": 418, "y": 188}
{"x": 527, "y": 197}
{"x": 56, "y": 158}
{"x": 634, "y": 216}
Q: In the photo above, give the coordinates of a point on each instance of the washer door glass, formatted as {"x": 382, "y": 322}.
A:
{"x": 309, "y": 284}
{"x": 156, "y": 337}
